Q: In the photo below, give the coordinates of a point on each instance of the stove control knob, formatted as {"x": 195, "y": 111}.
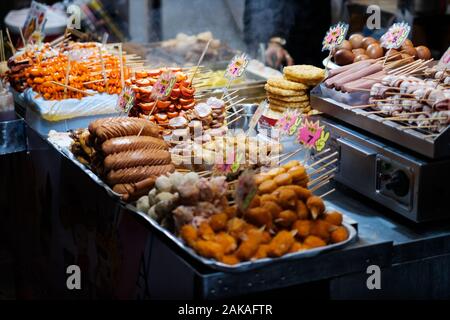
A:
{"x": 399, "y": 183}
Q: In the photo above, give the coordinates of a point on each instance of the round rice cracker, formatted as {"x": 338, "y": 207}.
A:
{"x": 300, "y": 98}
{"x": 290, "y": 104}
{"x": 305, "y": 74}
{"x": 283, "y": 83}
{"x": 284, "y": 107}
{"x": 283, "y": 92}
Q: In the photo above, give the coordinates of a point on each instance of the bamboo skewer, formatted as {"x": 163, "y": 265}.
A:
{"x": 235, "y": 103}
{"x": 322, "y": 160}
{"x": 327, "y": 193}
{"x": 10, "y": 42}
{"x": 70, "y": 88}
{"x": 2, "y": 49}
{"x": 419, "y": 127}
{"x": 233, "y": 114}
{"x": 323, "y": 167}
{"x": 320, "y": 185}
{"x": 234, "y": 120}
{"x": 321, "y": 177}
{"x": 290, "y": 155}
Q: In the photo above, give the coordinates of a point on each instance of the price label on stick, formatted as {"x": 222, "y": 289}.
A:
{"x": 334, "y": 36}
{"x": 289, "y": 122}
{"x": 262, "y": 108}
{"x": 236, "y": 67}
{"x": 163, "y": 86}
{"x": 395, "y": 36}
{"x": 126, "y": 100}
{"x": 312, "y": 135}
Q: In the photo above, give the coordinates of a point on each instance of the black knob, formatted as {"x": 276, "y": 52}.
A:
{"x": 399, "y": 183}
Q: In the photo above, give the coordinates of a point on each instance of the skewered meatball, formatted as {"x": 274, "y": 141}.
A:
{"x": 334, "y": 217}
{"x": 339, "y": 235}
{"x": 303, "y": 228}
{"x": 227, "y": 242}
{"x": 281, "y": 244}
{"x": 314, "y": 242}
{"x": 189, "y": 234}
{"x": 209, "y": 249}
{"x": 316, "y": 206}
{"x": 249, "y": 246}
{"x": 218, "y": 221}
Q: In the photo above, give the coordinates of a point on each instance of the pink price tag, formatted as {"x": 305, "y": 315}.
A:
{"x": 237, "y": 66}
{"x": 312, "y": 135}
{"x": 163, "y": 86}
{"x": 126, "y": 100}
{"x": 334, "y": 36}
{"x": 289, "y": 122}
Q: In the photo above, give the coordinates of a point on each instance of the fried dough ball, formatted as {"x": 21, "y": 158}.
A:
{"x": 302, "y": 210}
{"x": 205, "y": 231}
{"x": 297, "y": 246}
{"x": 255, "y": 202}
{"x": 291, "y": 164}
{"x": 298, "y": 173}
{"x": 267, "y": 197}
{"x": 316, "y": 206}
{"x": 230, "y": 259}
{"x": 334, "y": 217}
{"x": 209, "y": 249}
{"x": 261, "y": 177}
{"x": 218, "y": 221}
{"x": 286, "y": 218}
{"x": 266, "y": 237}
{"x": 189, "y": 234}
{"x": 227, "y": 242}
{"x": 267, "y": 186}
{"x": 286, "y": 197}
{"x": 283, "y": 179}
{"x": 303, "y": 228}
{"x": 231, "y": 211}
{"x": 321, "y": 229}
{"x": 259, "y": 217}
{"x": 261, "y": 253}
{"x": 275, "y": 171}
{"x": 303, "y": 183}
{"x": 273, "y": 207}
{"x": 235, "y": 227}
{"x": 302, "y": 193}
{"x": 314, "y": 242}
{"x": 339, "y": 235}
{"x": 281, "y": 244}
{"x": 249, "y": 246}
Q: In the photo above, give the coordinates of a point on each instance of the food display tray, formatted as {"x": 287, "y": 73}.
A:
{"x": 433, "y": 147}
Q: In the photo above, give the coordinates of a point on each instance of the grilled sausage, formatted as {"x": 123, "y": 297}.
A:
{"x": 120, "y": 127}
{"x": 133, "y": 191}
{"x": 136, "y": 158}
{"x": 120, "y": 144}
{"x": 136, "y": 174}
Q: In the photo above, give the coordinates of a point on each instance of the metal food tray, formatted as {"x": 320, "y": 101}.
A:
{"x": 416, "y": 140}
{"x": 243, "y": 266}
{"x": 248, "y": 265}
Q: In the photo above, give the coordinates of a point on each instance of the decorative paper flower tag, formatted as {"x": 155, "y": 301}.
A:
{"x": 163, "y": 86}
{"x": 312, "y": 135}
{"x": 334, "y": 36}
{"x": 237, "y": 66}
{"x": 125, "y": 100}
{"x": 289, "y": 122}
{"x": 395, "y": 36}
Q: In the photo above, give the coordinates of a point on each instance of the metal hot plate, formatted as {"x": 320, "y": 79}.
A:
{"x": 432, "y": 146}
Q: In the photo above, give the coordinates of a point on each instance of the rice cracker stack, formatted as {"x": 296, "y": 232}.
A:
{"x": 292, "y": 90}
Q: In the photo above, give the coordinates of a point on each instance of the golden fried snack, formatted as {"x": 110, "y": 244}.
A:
{"x": 260, "y": 178}
{"x": 209, "y": 249}
{"x": 298, "y": 173}
{"x": 334, "y": 217}
{"x": 235, "y": 227}
{"x": 302, "y": 210}
{"x": 259, "y": 217}
{"x": 227, "y": 242}
{"x": 339, "y": 235}
{"x": 266, "y": 237}
{"x": 314, "y": 242}
{"x": 303, "y": 183}
{"x": 261, "y": 253}
{"x": 280, "y": 82}
{"x": 230, "y": 259}
{"x": 231, "y": 211}
{"x": 302, "y": 193}
{"x": 286, "y": 197}
{"x": 316, "y": 206}
{"x": 249, "y": 246}
{"x": 267, "y": 197}
{"x": 297, "y": 246}
{"x": 290, "y": 164}
{"x": 303, "y": 228}
{"x": 205, "y": 231}
{"x": 273, "y": 208}
{"x": 281, "y": 244}
{"x": 321, "y": 229}
{"x": 218, "y": 221}
{"x": 283, "y": 179}
{"x": 275, "y": 171}
{"x": 267, "y": 186}
{"x": 305, "y": 74}
{"x": 189, "y": 234}
{"x": 286, "y": 218}
{"x": 255, "y": 202}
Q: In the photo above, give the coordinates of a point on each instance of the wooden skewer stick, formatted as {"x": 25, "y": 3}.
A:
{"x": 322, "y": 160}
{"x": 2, "y": 49}
{"x": 93, "y": 81}
{"x": 22, "y": 37}
{"x": 363, "y": 106}
{"x": 66, "y": 81}
{"x": 403, "y": 116}
{"x": 233, "y": 114}
{"x": 419, "y": 127}
{"x": 71, "y": 88}
{"x": 235, "y": 103}
{"x": 327, "y": 193}
{"x": 200, "y": 61}
{"x": 10, "y": 42}
{"x": 234, "y": 120}
{"x": 230, "y": 93}
{"x": 321, "y": 177}
{"x": 416, "y": 119}
{"x": 323, "y": 167}
{"x": 290, "y": 155}
{"x": 105, "y": 81}
{"x": 122, "y": 76}
{"x": 320, "y": 185}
